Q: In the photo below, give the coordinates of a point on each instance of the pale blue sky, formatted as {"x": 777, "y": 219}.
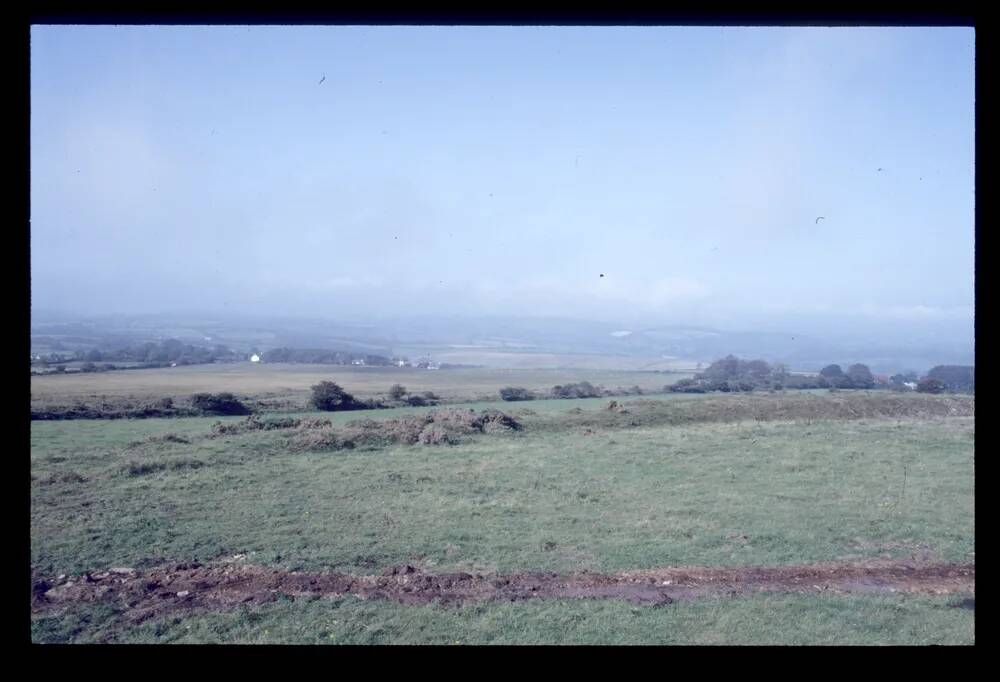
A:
{"x": 502, "y": 170}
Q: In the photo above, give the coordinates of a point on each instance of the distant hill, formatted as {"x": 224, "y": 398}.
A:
{"x": 495, "y": 334}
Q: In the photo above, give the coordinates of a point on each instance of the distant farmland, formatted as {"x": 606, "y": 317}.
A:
{"x": 294, "y": 380}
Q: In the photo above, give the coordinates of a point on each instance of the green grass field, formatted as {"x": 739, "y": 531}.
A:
{"x": 556, "y": 497}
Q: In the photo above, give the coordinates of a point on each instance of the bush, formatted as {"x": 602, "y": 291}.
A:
{"x": 510, "y": 393}
{"x": 433, "y": 428}
{"x": 929, "y": 385}
{"x": 583, "y": 389}
{"x": 685, "y": 386}
{"x": 328, "y": 396}
{"x": 218, "y": 403}
{"x": 397, "y": 391}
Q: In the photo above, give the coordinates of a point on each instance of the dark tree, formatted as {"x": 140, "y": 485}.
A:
{"x": 959, "y": 378}
{"x": 779, "y": 374}
{"x": 831, "y": 371}
{"x": 861, "y": 376}
{"x": 834, "y": 376}
{"x": 328, "y": 396}
{"x": 928, "y": 385}
{"x": 722, "y": 370}
{"x": 756, "y": 371}
{"x": 397, "y": 391}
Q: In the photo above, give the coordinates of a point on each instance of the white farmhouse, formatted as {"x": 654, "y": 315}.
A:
{"x": 254, "y": 358}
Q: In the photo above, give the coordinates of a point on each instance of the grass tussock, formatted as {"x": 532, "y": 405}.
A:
{"x": 63, "y": 477}
{"x": 164, "y": 438}
{"x": 144, "y": 468}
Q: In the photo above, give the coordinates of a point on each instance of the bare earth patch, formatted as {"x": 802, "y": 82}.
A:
{"x": 195, "y": 587}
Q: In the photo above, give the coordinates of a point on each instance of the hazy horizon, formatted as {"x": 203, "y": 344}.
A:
{"x": 811, "y": 180}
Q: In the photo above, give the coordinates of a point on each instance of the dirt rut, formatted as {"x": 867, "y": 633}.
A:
{"x": 222, "y": 585}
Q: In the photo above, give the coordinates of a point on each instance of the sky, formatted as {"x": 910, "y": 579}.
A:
{"x": 819, "y": 179}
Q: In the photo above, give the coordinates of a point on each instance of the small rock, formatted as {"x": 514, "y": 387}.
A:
{"x": 61, "y": 576}
{"x": 128, "y": 571}
{"x": 183, "y": 593}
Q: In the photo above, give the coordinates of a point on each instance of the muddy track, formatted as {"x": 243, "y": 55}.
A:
{"x": 227, "y": 584}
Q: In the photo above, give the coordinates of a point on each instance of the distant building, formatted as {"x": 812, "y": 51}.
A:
{"x": 254, "y": 358}
{"x": 910, "y": 385}
{"x": 401, "y": 363}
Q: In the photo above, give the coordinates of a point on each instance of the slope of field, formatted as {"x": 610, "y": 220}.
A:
{"x": 580, "y": 487}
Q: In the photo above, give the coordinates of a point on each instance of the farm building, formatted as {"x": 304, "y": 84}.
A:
{"x": 254, "y": 358}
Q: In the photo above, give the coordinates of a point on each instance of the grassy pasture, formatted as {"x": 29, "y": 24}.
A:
{"x": 745, "y": 620}
{"x": 579, "y": 488}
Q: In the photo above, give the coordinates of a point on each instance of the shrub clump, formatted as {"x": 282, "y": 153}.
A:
{"x": 255, "y": 423}
{"x": 218, "y": 403}
{"x": 422, "y": 400}
{"x": 443, "y": 427}
{"x": 583, "y": 389}
{"x": 511, "y": 393}
{"x": 330, "y": 397}
{"x": 104, "y": 407}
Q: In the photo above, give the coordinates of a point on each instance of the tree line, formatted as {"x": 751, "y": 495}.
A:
{"x": 146, "y": 354}
{"x": 732, "y": 374}
{"x": 319, "y": 356}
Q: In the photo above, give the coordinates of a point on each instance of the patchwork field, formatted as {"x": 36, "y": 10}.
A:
{"x": 829, "y": 518}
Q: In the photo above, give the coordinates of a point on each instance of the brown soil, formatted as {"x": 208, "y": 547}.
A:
{"x": 222, "y": 585}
